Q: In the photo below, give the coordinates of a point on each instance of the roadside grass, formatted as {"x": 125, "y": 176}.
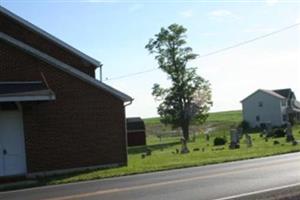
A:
{"x": 164, "y": 157}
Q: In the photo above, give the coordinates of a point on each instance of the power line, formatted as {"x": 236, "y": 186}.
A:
{"x": 214, "y": 52}
{"x": 131, "y": 74}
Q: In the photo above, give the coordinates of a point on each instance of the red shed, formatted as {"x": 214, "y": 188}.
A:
{"x": 136, "y": 135}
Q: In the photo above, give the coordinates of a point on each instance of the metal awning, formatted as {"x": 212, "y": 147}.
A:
{"x": 25, "y": 91}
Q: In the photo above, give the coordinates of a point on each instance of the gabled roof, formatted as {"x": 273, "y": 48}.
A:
{"x": 296, "y": 105}
{"x": 133, "y": 119}
{"x": 284, "y": 92}
{"x": 49, "y": 36}
{"x": 135, "y": 123}
{"x": 64, "y": 67}
{"x": 275, "y": 94}
{"x": 270, "y": 92}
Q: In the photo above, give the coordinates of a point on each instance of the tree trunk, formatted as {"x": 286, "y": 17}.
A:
{"x": 185, "y": 131}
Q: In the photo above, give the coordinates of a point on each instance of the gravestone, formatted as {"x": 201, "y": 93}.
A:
{"x": 234, "y": 138}
{"x": 289, "y": 133}
{"x": 207, "y": 137}
{"x": 268, "y": 129}
{"x": 264, "y": 133}
{"x": 239, "y": 133}
{"x": 248, "y": 140}
{"x": 184, "y": 148}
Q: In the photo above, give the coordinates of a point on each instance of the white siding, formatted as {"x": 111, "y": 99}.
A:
{"x": 271, "y": 110}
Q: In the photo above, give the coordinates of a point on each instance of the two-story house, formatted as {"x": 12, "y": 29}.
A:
{"x": 276, "y": 107}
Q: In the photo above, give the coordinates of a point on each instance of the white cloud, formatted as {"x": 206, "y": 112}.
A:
{"x": 258, "y": 30}
{"x": 271, "y": 2}
{"x": 220, "y": 13}
{"x": 208, "y": 34}
{"x": 187, "y": 13}
{"x": 135, "y": 7}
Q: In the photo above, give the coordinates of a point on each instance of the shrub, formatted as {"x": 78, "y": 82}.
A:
{"x": 275, "y": 142}
{"x": 218, "y": 141}
{"x": 278, "y": 133}
{"x": 244, "y": 125}
{"x": 290, "y": 138}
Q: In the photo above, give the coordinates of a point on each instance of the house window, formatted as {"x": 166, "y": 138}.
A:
{"x": 283, "y": 103}
{"x": 257, "y": 118}
{"x": 260, "y": 104}
{"x": 284, "y": 118}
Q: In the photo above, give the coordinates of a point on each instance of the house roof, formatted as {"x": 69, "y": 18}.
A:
{"x": 25, "y": 91}
{"x": 134, "y": 119}
{"x": 284, "y": 92}
{"x": 135, "y": 123}
{"x": 64, "y": 67}
{"x": 270, "y": 92}
{"x": 273, "y": 93}
{"x": 296, "y": 104}
{"x": 49, "y": 36}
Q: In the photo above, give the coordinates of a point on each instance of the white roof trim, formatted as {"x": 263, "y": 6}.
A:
{"x": 42, "y": 95}
{"x": 49, "y": 36}
{"x": 67, "y": 68}
{"x": 270, "y": 92}
{"x": 27, "y": 98}
{"x": 20, "y": 82}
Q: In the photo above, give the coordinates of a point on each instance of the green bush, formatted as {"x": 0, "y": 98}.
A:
{"x": 244, "y": 124}
{"x": 218, "y": 141}
{"x": 277, "y": 133}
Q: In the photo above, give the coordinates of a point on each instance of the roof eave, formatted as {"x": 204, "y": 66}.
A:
{"x": 38, "y": 30}
{"x": 43, "y": 95}
{"x": 264, "y": 91}
{"x": 65, "y": 67}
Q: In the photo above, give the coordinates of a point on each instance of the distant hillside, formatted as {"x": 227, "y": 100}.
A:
{"x": 217, "y": 121}
{"x": 226, "y": 116}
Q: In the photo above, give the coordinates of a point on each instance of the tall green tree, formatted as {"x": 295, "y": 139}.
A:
{"x": 189, "y": 97}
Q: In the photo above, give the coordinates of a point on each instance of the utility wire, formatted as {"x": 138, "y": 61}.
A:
{"x": 214, "y": 52}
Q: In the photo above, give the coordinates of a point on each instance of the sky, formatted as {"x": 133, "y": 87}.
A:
{"x": 115, "y": 32}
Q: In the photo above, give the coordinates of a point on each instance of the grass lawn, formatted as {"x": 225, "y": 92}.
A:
{"x": 164, "y": 152}
{"x": 163, "y": 156}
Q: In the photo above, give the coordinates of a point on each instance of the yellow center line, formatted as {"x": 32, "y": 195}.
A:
{"x": 137, "y": 187}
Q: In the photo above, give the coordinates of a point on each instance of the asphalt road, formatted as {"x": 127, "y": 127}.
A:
{"x": 221, "y": 181}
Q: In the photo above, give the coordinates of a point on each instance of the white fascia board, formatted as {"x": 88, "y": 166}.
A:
{"x": 20, "y": 82}
{"x": 65, "y": 67}
{"x": 50, "y": 37}
{"x": 27, "y": 98}
{"x": 266, "y": 92}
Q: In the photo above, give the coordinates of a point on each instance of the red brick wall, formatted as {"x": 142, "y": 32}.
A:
{"x": 18, "y": 31}
{"x": 84, "y": 126}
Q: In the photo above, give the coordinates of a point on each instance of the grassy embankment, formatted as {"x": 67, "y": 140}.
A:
{"x": 164, "y": 149}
